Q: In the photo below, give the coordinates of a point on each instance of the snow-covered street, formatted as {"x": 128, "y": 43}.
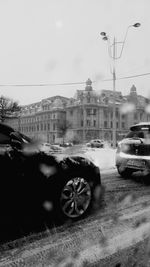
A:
{"x": 102, "y": 157}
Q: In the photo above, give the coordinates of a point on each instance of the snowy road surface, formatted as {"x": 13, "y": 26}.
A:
{"x": 102, "y": 157}
{"x": 118, "y": 234}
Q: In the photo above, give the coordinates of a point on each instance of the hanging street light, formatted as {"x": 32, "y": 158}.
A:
{"x": 113, "y": 55}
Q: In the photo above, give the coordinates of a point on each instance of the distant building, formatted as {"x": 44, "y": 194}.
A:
{"x": 88, "y": 114}
{"x": 39, "y": 120}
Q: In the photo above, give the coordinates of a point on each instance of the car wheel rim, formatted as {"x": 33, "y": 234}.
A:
{"x": 75, "y": 197}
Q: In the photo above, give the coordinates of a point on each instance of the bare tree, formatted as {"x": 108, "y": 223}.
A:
{"x": 7, "y": 107}
{"x": 63, "y": 128}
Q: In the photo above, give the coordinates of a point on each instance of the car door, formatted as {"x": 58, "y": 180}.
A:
{"x": 6, "y": 173}
{"x": 5, "y": 146}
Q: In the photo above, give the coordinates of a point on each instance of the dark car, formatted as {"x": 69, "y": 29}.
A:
{"x": 66, "y": 145}
{"x": 36, "y": 187}
{"x": 133, "y": 152}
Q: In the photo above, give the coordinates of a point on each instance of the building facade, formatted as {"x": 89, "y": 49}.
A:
{"x": 87, "y": 116}
{"x": 40, "y": 120}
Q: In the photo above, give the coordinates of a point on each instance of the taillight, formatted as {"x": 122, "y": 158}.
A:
{"x": 122, "y": 147}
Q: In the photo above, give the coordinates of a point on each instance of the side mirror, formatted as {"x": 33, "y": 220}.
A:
{"x": 16, "y": 144}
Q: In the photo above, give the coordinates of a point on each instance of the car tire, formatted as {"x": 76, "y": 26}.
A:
{"x": 125, "y": 173}
{"x": 75, "y": 199}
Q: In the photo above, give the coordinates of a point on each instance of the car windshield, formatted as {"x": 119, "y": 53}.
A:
{"x": 67, "y": 102}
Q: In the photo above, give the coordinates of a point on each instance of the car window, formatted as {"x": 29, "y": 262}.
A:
{"x": 139, "y": 134}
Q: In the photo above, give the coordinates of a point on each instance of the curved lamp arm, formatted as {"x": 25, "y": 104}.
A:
{"x": 123, "y": 43}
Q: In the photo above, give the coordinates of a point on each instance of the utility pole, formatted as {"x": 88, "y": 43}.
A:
{"x": 19, "y": 122}
{"x": 114, "y": 94}
{"x": 113, "y": 55}
{"x": 84, "y": 124}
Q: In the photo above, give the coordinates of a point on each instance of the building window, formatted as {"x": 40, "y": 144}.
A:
{"x": 88, "y": 122}
{"x": 71, "y": 112}
{"x": 82, "y": 123}
{"x": 105, "y": 124}
{"x": 123, "y": 125}
{"x": 135, "y": 116}
{"x": 117, "y": 113}
{"x": 94, "y": 123}
{"x": 54, "y": 127}
{"x": 111, "y": 124}
{"x": 44, "y": 127}
{"x": 48, "y": 126}
{"x": 94, "y": 111}
{"x": 88, "y": 99}
{"x": 41, "y": 126}
{"x": 88, "y": 112}
{"x": 141, "y": 116}
{"x": 105, "y": 113}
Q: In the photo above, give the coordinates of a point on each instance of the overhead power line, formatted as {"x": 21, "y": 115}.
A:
{"x": 70, "y": 83}
{"x": 41, "y": 84}
{"x": 128, "y": 77}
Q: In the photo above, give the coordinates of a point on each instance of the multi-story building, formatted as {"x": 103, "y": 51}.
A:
{"x": 40, "y": 120}
{"x": 92, "y": 114}
{"x": 88, "y": 115}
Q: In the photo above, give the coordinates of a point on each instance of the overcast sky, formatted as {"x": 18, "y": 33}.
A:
{"x": 58, "y": 41}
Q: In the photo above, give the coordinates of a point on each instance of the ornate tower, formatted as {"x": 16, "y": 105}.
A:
{"x": 88, "y": 86}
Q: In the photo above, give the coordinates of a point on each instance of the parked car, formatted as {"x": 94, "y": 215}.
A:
{"x": 50, "y": 148}
{"x": 96, "y": 143}
{"x": 66, "y": 144}
{"x": 35, "y": 186}
{"x": 133, "y": 152}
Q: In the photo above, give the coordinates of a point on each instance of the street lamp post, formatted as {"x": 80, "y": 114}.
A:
{"x": 114, "y": 95}
{"x": 114, "y": 56}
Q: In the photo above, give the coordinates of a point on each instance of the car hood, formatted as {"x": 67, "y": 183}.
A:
{"x": 76, "y": 159}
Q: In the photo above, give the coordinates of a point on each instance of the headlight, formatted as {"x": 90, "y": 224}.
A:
{"x": 96, "y": 162}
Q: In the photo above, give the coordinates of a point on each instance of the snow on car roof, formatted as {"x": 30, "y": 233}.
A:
{"x": 140, "y": 125}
